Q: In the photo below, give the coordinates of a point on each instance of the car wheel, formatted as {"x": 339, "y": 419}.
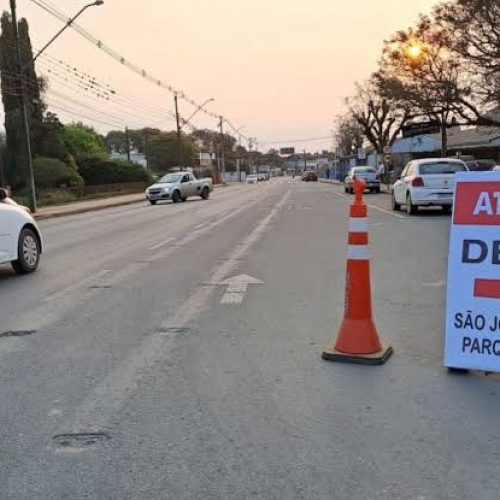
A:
{"x": 176, "y": 197}
{"x": 205, "y": 194}
{"x": 346, "y": 190}
{"x": 28, "y": 251}
{"x": 446, "y": 209}
{"x": 377, "y": 190}
{"x": 411, "y": 209}
{"x": 184, "y": 198}
{"x": 153, "y": 202}
{"x": 395, "y": 206}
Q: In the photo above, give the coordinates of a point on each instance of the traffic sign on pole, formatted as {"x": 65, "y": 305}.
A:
{"x": 473, "y": 307}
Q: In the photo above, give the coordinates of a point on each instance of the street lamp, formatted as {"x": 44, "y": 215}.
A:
{"x": 23, "y": 98}
{"x": 97, "y": 3}
{"x": 186, "y": 122}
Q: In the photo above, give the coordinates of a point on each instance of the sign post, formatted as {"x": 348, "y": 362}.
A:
{"x": 473, "y": 306}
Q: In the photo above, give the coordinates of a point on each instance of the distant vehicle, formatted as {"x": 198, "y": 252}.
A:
{"x": 480, "y": 165}
{"x": 263, "y": 177}
{"x": 252, "y": 179}
{"x": 496, "y": 168}
{"x": 368, "y": 174}
{"x": 20, "y": 236}
{"x": 310, "y": 176}
{"x": 179, "y": 187}
{"x": 428, "y": 182}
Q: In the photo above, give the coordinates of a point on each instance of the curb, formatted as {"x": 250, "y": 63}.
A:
{"x": 96, "y": 208}
{"x": 80, "y": 210}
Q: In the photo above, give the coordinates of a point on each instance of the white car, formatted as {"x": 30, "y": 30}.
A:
{"x": 252, "y": 179}
{"x": 427, "y": 182}
{"x": 496, "y": 168}
{"x": 20, "y": 236}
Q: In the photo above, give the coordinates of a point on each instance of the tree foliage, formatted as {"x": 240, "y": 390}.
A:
{"x": 83, "y": 141}
{"x": 348, "y": 135}
{"x": 380, "y": 117}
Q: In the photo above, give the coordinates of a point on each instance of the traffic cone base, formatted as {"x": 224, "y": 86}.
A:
{"x": 379, "y": 358}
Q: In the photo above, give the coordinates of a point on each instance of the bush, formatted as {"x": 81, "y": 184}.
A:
{"x": 50, "y": 172}
{"x": 97, "y": 171}
{"x": 55, "y": 197}
{"x": 207, "y": 172}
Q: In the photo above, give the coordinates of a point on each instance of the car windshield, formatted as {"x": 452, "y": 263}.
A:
{"x": 171, "y": 178}
{"x": 442, "y": 167}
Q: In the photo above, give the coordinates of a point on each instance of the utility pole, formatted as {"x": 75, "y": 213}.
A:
{"x": 178, "y": 120}
{"x": 127, "y": 140}
{"x": 223, "y": 152}
{"x": 238, "y": 160}
{"x": 24, "y": 109}
{"x": 147, "y": 153}
{"x": 305, "y": 162}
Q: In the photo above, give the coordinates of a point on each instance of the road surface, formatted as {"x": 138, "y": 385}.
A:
{"x": 174, "y": 352}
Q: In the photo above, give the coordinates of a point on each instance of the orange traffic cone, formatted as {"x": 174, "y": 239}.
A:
{"x": 358, "y": 340}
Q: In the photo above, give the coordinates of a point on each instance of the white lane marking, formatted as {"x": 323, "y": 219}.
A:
{"x": 358, "y": 252}
{"x": 434, "y": 284}
{"x": 95, "y": 413}
{"x": 232, "y": 298}
{"x": 161, "y": 244}
{"x": 237, "y": 288}
{"x": 388, "y": 212}
{"x": 383, "y": 210}
{"x": 358, "y": 225}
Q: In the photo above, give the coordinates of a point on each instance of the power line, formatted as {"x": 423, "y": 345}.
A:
{"x": 310, "y": 139}
{"x": 122, "y": 60}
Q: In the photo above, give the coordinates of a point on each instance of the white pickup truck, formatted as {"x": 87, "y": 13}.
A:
{"x": 179, "y": 187}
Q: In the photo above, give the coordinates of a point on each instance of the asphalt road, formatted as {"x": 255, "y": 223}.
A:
{"x": 144, "y": 374}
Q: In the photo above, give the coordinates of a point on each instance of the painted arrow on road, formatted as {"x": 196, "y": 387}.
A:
{"x": 237, "y": 288}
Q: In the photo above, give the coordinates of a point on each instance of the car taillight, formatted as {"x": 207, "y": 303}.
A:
{"x": 418, "y": 182}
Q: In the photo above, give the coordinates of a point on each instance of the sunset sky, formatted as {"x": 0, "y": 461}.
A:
{"x": 279, "y": 68}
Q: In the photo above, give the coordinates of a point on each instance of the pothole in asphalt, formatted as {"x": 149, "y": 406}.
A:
{"x": 172, "y": 330}
{"x": 17, "y": 333}
{"x": 66, "y": 441}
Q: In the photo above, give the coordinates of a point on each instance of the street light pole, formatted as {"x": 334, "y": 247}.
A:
{"x": 23, "y": 98}
{"x": 223, "y": 149}
{"x": 198, "y": 109}
{"x": 24, "y": 108}
{"x": 65, "y": 27}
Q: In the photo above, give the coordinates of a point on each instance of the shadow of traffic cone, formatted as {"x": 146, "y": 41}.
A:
{"x": 358, "y": 340}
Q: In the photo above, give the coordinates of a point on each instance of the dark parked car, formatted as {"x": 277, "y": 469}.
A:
{"x": 310, "y": 176}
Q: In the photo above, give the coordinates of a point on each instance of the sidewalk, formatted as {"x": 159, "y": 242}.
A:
{"x": 88, "y": 206}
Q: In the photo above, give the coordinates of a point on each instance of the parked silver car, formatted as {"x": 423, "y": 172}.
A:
{"x": 368, "y": 174}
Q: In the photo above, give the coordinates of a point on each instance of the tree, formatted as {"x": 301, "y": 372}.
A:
{"x": 472, "y": 31}
{"x": 380, "y": 118}
{"x": 163, "y": 151}
{"x": 16, "y": 161}
{"x": 51, "y": 141}
{"x": 116, "y": 140}
{"x": 83, "y": 141}
{"x": 418, "y": 68}
{"x": 348, "y": 135}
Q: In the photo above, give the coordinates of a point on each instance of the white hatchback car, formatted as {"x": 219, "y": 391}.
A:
{"x": 252, "y": 179}
{"x": 425, "y": 183}
{"x": 20, "y": 236}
